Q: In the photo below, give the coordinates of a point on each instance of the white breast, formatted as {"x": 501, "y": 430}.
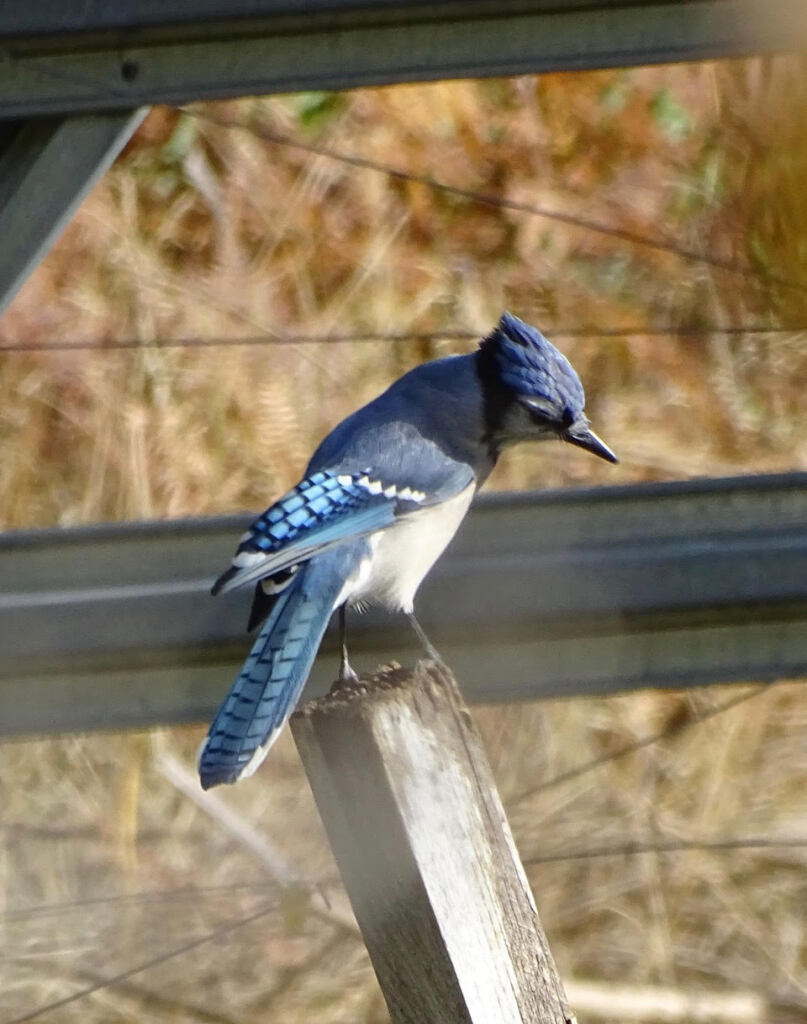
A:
{"x": 402, "y": 555}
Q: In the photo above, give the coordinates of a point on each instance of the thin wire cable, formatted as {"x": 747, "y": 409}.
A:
{"x": 674, "y": 729}
{"x": 671, "y": 846}
{"x": 135, "y": 898}
{"x": 487, "y": 199}
{"x": 156, "y": 961}
{"x": 59, "y": 345}
{"x": 389, "y": 337}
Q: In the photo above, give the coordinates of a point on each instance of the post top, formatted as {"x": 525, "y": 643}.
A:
{"x": 375, "y": 686}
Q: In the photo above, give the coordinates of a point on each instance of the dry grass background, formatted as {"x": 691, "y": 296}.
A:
{"x": 204, "y": 231}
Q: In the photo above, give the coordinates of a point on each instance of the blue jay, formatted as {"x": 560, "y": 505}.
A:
{"x": 381, "y": 498}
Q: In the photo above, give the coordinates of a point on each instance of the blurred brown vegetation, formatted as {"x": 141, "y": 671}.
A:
{"x": 202, "y": 231}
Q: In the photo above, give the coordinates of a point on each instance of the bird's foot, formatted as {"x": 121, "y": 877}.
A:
{"x": 347, "y": 674}
{"x": 348, "y": 678}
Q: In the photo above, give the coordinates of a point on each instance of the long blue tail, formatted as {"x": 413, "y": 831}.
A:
{"x": 269, "y": 685}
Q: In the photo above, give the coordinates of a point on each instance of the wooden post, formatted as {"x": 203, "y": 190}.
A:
{"x": 418, "y": 830}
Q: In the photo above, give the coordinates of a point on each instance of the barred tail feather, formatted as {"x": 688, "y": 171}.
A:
{"x": 270, "y": 682}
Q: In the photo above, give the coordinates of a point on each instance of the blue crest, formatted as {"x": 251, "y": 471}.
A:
{"x": 532, "y": 367}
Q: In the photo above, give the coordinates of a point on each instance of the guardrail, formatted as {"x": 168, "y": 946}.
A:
{"x": 556, "y": 593}
{"x": 67, "y": 56}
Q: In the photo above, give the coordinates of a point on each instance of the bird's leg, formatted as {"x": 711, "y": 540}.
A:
{"x": 425, "y": 642}
{"x": 346, "y": 671}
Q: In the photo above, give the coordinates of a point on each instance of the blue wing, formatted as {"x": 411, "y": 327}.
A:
{"x": 324, "y": 509}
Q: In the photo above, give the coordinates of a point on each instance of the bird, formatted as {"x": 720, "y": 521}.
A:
{"x": 381, "y": 498}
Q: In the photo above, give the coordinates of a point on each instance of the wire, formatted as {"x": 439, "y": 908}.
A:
{"x": 58, "y": 345}
{"x": 414, "y": 337}
{"x": 675, "y": 728}
{"x": 135, "y": 898}
{"x": 670, "y": 846}
{"x": 102, "y": 983}
{"x": 487, "y": 199}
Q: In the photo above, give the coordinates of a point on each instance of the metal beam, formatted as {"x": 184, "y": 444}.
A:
{"x": 47, "y": 166}
{"x": 73, "y": 56}
{"x": 581, "y": 592}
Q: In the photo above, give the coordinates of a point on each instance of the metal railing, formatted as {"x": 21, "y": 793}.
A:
{"x": 558, "y": 593}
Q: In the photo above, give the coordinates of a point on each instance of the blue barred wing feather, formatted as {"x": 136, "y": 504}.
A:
{"x": 322, "y": 510}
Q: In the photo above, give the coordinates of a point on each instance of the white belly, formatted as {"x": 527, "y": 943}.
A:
{"x": 404, "y": 553}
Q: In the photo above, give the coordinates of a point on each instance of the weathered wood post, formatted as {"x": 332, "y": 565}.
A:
{"x": 407, "y": 797}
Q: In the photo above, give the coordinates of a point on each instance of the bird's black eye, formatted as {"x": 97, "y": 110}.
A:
{"x": 541, "y": 410}
{"x": 567, "y": 419}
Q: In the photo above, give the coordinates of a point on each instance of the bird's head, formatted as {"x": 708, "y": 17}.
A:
{"x": 533, "y": 392}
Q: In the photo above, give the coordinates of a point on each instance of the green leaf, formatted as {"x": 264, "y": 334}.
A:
{"x": 671, "y": 117}
{"x": 181, "y": 141}
{"x": 315, "y": 107}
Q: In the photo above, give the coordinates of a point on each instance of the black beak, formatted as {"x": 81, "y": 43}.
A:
{"x": 581, "y": 435}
